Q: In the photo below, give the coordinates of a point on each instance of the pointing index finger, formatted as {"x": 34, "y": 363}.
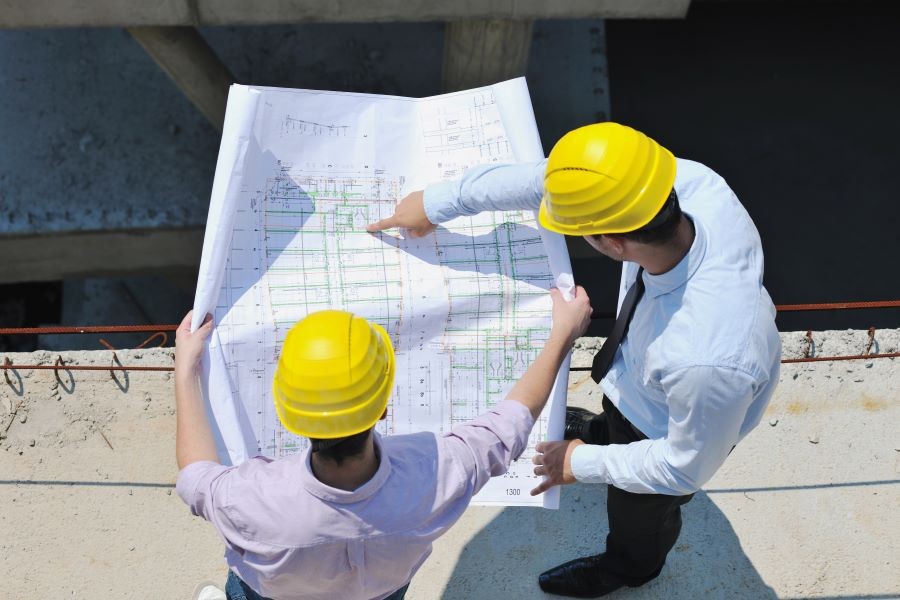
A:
{"x": 382, "y": 224}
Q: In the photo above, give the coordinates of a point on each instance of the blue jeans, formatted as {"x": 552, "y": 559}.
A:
{"x": 235, "y": 589}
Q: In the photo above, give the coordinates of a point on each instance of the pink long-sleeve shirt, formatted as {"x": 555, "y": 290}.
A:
{"x": 289, "y": 536}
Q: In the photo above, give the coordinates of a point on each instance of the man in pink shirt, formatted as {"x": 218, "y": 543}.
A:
{"x": 355, "y": 516}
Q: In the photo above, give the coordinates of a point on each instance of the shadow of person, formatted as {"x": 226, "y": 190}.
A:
{"x": 510, "y": 249}
{"x": 282, "y": 207}
{"x": 504, "y": 558}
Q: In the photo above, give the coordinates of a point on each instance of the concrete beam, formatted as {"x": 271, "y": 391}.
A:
{"x": 183, "y": 54}
{"x": 478, "y": 53}
{"x": 132, "y": 13}
{"x": 97, "y": 253}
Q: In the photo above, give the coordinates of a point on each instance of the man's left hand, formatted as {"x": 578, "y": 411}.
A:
{"x": 554, "y": 460}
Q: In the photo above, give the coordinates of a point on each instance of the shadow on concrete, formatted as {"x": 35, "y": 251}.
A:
{"x": 252, "y": 253}
{"x": 707, "y": 561}
{"x": 18, "y": 387}
{"x": 814, "y": 486}
{"x": 71, "y": 483}
{"x": 123, "y": 382}
{"x": 847, "y": 597}
{"x": 67, "y": 382}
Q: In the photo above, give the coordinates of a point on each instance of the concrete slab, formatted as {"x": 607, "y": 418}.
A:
{"x": 804, "y": 508}
{"x": 94, "y": 13}
{"x": 103, "y": 139}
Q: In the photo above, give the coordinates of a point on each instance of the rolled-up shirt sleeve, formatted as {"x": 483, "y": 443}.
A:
{"x": 486, "y": 187}
{"x": 204, "y": 487}
{"x": 198, "y": 484}
{"x": 486, "y": 445}
{"x": 707, "y": 405}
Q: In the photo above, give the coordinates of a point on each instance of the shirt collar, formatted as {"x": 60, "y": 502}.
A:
{"x": 331, "y": 494}
{"x": 677, "y": 276}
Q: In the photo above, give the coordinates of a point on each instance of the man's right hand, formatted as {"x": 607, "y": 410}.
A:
{"x": 409, "y": 214}
{"x": 570, "y": 318}
{"x": 189, "y": 345}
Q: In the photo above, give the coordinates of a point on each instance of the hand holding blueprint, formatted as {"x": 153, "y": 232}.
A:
{"x": 300, "y": 174}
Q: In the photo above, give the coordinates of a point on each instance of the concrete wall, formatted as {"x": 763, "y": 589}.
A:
{"x": 805, "y": 506}
{"x": 97, "y": 137}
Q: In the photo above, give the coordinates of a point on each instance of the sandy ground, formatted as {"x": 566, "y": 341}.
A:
{"x": 806, "y": 506}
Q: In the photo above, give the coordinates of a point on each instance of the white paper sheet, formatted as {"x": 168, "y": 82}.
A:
{"x": 300, "y": 173}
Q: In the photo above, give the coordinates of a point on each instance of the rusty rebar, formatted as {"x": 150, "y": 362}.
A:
{"x": 808, "y": 349}
{"x": 838, "y": 305}
{"x": 871, "y": 340}
{"x": 65, "y": 367}
{"x": 810, "y": 359}
{"x": 86, "y": 329}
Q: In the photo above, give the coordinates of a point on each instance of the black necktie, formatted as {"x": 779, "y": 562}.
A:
{"x": 604, "y": 358}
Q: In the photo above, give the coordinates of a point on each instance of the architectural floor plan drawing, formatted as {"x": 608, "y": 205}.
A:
{"x": 300, "y": 175}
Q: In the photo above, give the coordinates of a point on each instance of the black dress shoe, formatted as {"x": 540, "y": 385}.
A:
{"x": 578, "y": 422}
{"x": 579, "y": 578}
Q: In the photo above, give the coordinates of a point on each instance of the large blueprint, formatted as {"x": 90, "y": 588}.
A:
{"x": 300, "y": 174}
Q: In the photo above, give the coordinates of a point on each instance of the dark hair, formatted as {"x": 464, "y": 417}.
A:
{"x": 662, "y": 227}
{"x": 339, "y": 450}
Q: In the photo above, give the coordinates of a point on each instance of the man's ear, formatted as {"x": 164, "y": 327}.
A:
{"x": 615, "y": 243}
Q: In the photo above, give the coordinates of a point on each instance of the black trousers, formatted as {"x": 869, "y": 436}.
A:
{"x": 643, "y": 528}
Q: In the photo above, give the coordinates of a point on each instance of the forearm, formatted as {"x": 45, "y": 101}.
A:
{"x": 639, "y": 467}
{"x": 486, "y": 187}
{"x": 193, "y": 435}
{"x": 707, "y": 406}
{"x": 535, "y": 386}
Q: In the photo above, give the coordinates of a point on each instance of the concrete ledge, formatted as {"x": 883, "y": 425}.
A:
{"x": 129, "y": 13}
{"x": 97, "y": 253}
{"x": 88, "y": 466}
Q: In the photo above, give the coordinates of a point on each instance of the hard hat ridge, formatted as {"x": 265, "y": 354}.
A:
{"x": 334, "y": 375}
{"x": 605, "y": 178}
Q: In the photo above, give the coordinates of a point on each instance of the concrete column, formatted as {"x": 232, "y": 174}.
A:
{"x": 483, "y": 52}
{"x": 189, "y": 61}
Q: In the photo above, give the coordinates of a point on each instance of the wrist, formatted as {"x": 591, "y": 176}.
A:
{"x": 564, "y": 339}
{"x": 185, "y": 370}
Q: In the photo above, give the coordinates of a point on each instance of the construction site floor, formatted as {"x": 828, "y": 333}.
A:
{"x": 805, "y": 507}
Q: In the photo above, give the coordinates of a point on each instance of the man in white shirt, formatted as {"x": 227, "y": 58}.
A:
{"x": 694, "y": 356}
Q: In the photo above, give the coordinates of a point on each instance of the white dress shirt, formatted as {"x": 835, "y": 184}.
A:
{"x": 702, "y": 355}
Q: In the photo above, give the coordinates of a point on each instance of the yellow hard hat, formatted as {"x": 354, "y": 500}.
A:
{"x": 605, "y": 178}
{"x": 334, "y": 375}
